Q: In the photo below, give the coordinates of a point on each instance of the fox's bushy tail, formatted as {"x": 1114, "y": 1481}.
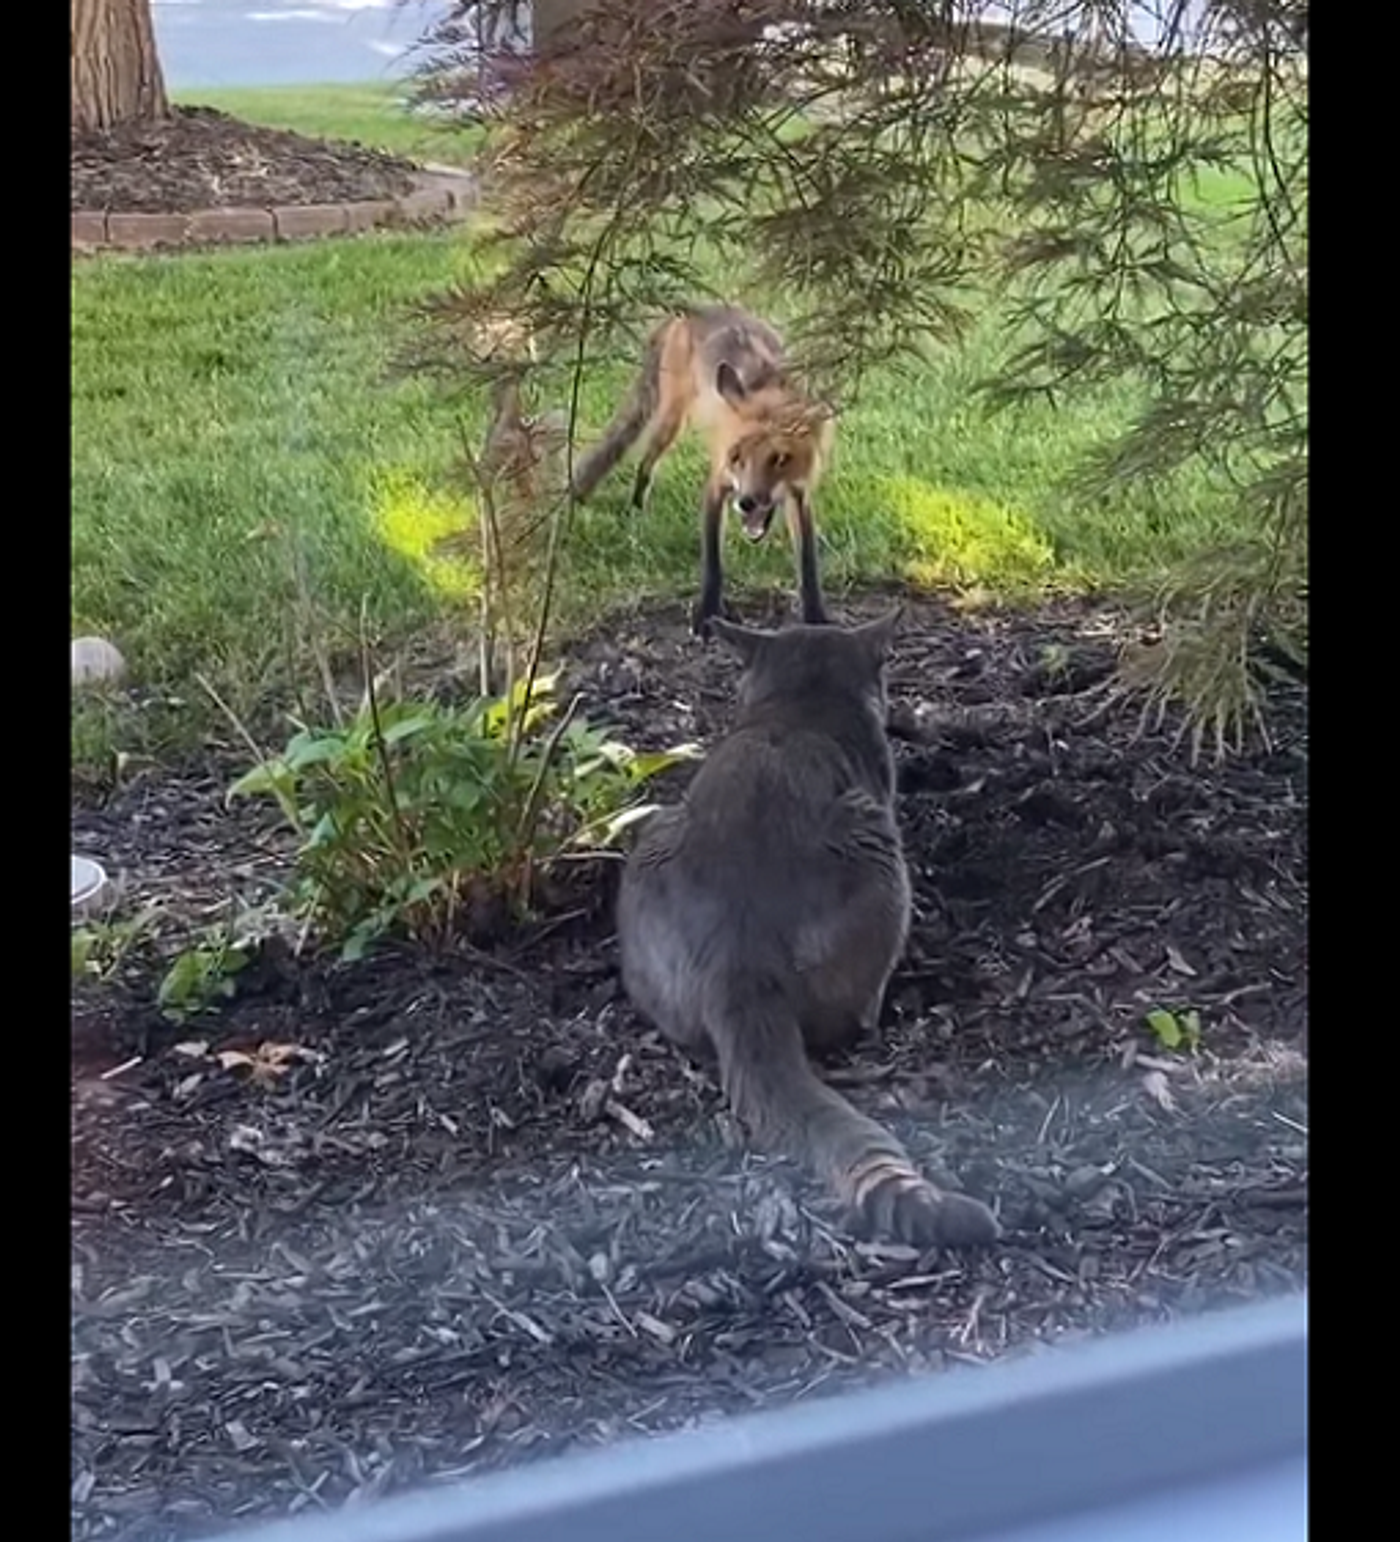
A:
{"x": 626, "y": 427}
{"x": 786, "y": 1107}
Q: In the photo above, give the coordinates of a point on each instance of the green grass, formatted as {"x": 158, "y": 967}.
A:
{"x": 233, "y": 432}
{"x": 371, "y": 114}
{"x": 248, "y": 477}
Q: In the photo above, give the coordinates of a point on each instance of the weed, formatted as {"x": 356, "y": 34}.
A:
{"x": 100, "y": 948}
{"x": 1176, "y": 1030}
{"x": 203, "y": 975}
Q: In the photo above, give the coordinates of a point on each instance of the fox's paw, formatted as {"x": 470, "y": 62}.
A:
{"x": 701, "y": 614}
{"x": 895, "y": 1202}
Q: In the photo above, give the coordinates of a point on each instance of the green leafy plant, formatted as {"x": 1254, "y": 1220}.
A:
{"x": 1175, "y": 1030}
{"x": 202, "y": 976}
{"x": 433, "y": 820}
{"x": 1055, "y": 660}
{"x": 100, "y": 948}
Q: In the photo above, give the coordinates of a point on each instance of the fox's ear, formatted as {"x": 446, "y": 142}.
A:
{"x": 878, "y": 634}
{"x": 728, "y": 383}
{"x": 744, "y": 641}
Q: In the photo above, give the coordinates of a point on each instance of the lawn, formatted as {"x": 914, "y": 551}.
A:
{"x": 373, "y": 113}
{"x": 249, "y": 476}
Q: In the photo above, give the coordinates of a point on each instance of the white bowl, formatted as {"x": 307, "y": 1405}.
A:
{"x": 89, "y": 880}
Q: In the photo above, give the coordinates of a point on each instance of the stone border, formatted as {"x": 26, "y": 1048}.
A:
{"x": 441, "y": 195}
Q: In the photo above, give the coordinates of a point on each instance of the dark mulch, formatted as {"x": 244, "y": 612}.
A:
{"x": 202, "y": 159}
{"x": 489, "y": 1217}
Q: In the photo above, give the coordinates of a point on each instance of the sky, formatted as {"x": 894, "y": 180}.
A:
{"x": 206, "y": 43}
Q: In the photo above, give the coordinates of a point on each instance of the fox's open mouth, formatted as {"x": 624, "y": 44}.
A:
{"x": 756, "y": 525}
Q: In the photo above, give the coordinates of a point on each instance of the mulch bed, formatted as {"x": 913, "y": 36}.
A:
{"x": 489, "y": 1217}
{"x": 202, "y": 159}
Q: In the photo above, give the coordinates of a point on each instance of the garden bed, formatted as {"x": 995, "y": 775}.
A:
{"x": 199, "y": 159}
{"x": 476, "y": 1213}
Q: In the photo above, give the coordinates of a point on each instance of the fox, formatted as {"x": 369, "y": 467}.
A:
{"x": 724, "y": 372}
{"x": 760, "y": 919}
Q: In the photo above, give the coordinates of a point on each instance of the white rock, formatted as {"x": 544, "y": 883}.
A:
{"x": 95, "y": 660}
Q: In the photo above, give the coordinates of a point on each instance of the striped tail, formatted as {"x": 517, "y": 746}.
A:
{"x": 771, "y": 1086}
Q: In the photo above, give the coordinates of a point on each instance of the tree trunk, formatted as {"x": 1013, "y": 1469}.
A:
{"x": 116, "y": 69}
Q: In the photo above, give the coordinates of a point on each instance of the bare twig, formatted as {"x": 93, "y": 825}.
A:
{"x": 381, "y": 748}
{"x": 530, "y": 814}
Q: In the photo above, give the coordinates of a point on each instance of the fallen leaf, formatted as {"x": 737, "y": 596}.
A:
{"x": 267, "y": 1062}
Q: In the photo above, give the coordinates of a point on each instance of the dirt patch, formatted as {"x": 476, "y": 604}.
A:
{"x": 202, "y": 159}
{"x": 488, "y": 1216}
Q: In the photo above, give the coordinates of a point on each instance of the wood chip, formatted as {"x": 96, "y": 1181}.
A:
{"x": 654, "y": 1326}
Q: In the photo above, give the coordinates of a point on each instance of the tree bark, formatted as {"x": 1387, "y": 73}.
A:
{"x": 116, "y": 69}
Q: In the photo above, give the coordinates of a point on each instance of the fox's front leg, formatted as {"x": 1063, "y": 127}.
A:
{"x": 802, "y": 528}
{"x": 711, "y": 601}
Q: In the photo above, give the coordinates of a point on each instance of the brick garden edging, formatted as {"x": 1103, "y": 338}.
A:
{"x": 440, "y": 195}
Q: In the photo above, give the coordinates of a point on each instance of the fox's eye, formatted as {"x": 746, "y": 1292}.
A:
{"x": 779, "y": 460}
{"x": 735, "y": 457}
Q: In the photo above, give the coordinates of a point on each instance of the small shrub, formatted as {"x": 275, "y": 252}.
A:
{"x": 430, "y": 819}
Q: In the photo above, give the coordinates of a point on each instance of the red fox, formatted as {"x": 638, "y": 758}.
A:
{"x": 724, "y": 372}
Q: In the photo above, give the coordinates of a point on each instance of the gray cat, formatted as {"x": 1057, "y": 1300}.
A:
{"x": 763, "y": 916}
